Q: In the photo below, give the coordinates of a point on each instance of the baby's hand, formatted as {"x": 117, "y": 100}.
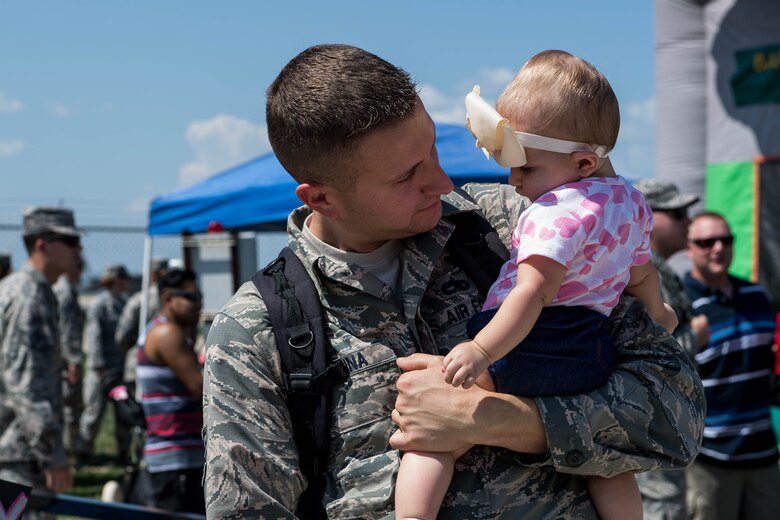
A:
{"x": 464, "y": 364}
{"x": 668, "y": 319}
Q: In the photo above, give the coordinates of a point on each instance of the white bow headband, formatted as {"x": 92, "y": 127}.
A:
{"x": 497, "y": 138}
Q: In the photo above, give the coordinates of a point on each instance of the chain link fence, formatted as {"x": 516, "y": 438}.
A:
{"x": 104, "y": 245}
{"x": 101, "y": 245}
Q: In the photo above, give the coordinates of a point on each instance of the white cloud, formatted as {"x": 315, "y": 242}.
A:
{"x": 222, "y": 142}
{"x": 138, "y": 205}
{"x": 634, "y": 155}
{"x": 61, "y": 109}
{"x": 10, "y": 148}
{"x": 8, "y": 104}
{"x": 450, "y": 108}
{"x": 441, "y": 107}
{"x": 493, "y": 81}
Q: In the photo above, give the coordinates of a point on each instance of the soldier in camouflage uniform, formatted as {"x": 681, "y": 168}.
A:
{"x": 103, "y": 356}
{"x": 351, "y": 130}
{"x": 663, "y": 491}
{"x": 31, "y": 447}
{"x": 71, "y": 333}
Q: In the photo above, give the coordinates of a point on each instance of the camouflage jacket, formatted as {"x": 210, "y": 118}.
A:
{"x": 100, "y": 341}
{"x": 673, "y": 293}
{"x": 649, "y": 415}
{"x": 71, "y": 320}
{"x": 30, "y": 361}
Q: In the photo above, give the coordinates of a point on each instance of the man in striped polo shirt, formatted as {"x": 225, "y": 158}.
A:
{"x": 736, "y": 472}
{"x": 171, "y": 382}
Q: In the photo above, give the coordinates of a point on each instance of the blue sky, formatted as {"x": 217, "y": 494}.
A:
{"x": 106, "y": 104}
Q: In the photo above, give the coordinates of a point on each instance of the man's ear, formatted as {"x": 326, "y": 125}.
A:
{"x": 165, "y": 296}
{"x": 41, "y": 245}
{"x": 319, "y": 197}
{"x": 586, "y": 162}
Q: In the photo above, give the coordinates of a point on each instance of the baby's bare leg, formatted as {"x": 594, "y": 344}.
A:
{"x": 616, "y": 498}
{"x": 422, "y": 482}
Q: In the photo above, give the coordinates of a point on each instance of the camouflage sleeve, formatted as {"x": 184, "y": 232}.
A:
{"x": 251, "y": 460}
{"x": 92, "y": 340}
{"x": 649, "y": 415}
{"x": 127, "y": 328}
{"x": 687, "y": 339}
{"x": 71, "y": 329}
{"x": 28, "y": 372}
{"x": 501, "y": 205}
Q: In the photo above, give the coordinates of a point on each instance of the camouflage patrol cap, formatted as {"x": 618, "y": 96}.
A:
{"x": 662, "y": 195}
{"x": 114, "y": 272}
{"x": 39, "y": 220}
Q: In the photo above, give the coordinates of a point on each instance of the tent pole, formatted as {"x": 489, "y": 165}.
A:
{"x": 145, "y": 285}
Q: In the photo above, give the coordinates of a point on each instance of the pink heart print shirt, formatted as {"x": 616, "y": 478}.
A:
{"x": 597, "y": 228}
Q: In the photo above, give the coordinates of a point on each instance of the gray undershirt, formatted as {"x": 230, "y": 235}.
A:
{"x": 384, "y": 262}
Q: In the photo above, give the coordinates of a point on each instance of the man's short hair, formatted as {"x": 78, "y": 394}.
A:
{"x": 326, "y": 98}
{"x": 175, "y": 279}
{"x": 710, "y": 214}
{"x": 560, "y": 95}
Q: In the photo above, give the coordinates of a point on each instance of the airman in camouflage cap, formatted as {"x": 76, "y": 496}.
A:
{"x": 663, "y": 492}
{"x": 31, "y": 447}
{"x": 664, "y": 195}
{"x": 40, "y": 220}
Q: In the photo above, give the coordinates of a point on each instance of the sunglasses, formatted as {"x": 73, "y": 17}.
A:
{"x": 676, "y": 214}
{"x": 193, "y": 296}
{"x": 65, "y": 239}
{"x": 707, "y": 243}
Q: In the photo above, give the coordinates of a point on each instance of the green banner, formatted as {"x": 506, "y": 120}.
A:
{"x": 757, "y": 78}
{"x": 729, "y": 191}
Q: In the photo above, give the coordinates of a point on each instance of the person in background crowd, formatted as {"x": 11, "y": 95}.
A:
{"x": 735, "y": 475}
{"x": 171, "y": 386}
{"x": 5, "y": 265}
{"x": 129, "y": 322}
{"x": 663, "y": 491}
{"x": 31, "y": 448}
{"x": 71, "y": 321}
{"x": 103, "y": 356}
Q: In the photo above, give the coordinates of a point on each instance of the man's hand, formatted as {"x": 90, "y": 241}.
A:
{"x": 59, "y": 480}
{"x": 464, "y": 364}
{"x": 701, "y": 327}
{"x": 428, "y": 410}
{"x": 432, "y": 415}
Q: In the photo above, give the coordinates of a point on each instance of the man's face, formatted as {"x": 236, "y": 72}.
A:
{"x": 710, "y": 258}
{"x": 397, "y": 185}
{"x": 670, "y": 231}
{"x": 63, "y": 252}
{"x": 185, "y": 304}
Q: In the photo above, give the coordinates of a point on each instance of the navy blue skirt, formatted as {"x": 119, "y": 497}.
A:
{"x": 569, "y": 351}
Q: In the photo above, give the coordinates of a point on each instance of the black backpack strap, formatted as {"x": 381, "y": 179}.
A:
{"x": 475, "y": 246}
{"x": 295, "y": 311}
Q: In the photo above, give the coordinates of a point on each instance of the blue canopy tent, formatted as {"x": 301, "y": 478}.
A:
{"x": 259, "y": 194}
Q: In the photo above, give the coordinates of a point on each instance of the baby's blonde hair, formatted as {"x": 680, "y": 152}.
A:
{"x": 556, "y": 94}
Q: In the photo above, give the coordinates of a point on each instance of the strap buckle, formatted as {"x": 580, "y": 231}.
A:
{"x": 300, "y": 382}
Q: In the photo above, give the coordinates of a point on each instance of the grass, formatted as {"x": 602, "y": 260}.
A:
{"x": 103, "y": 467}
{"x": 90, "y": 478}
